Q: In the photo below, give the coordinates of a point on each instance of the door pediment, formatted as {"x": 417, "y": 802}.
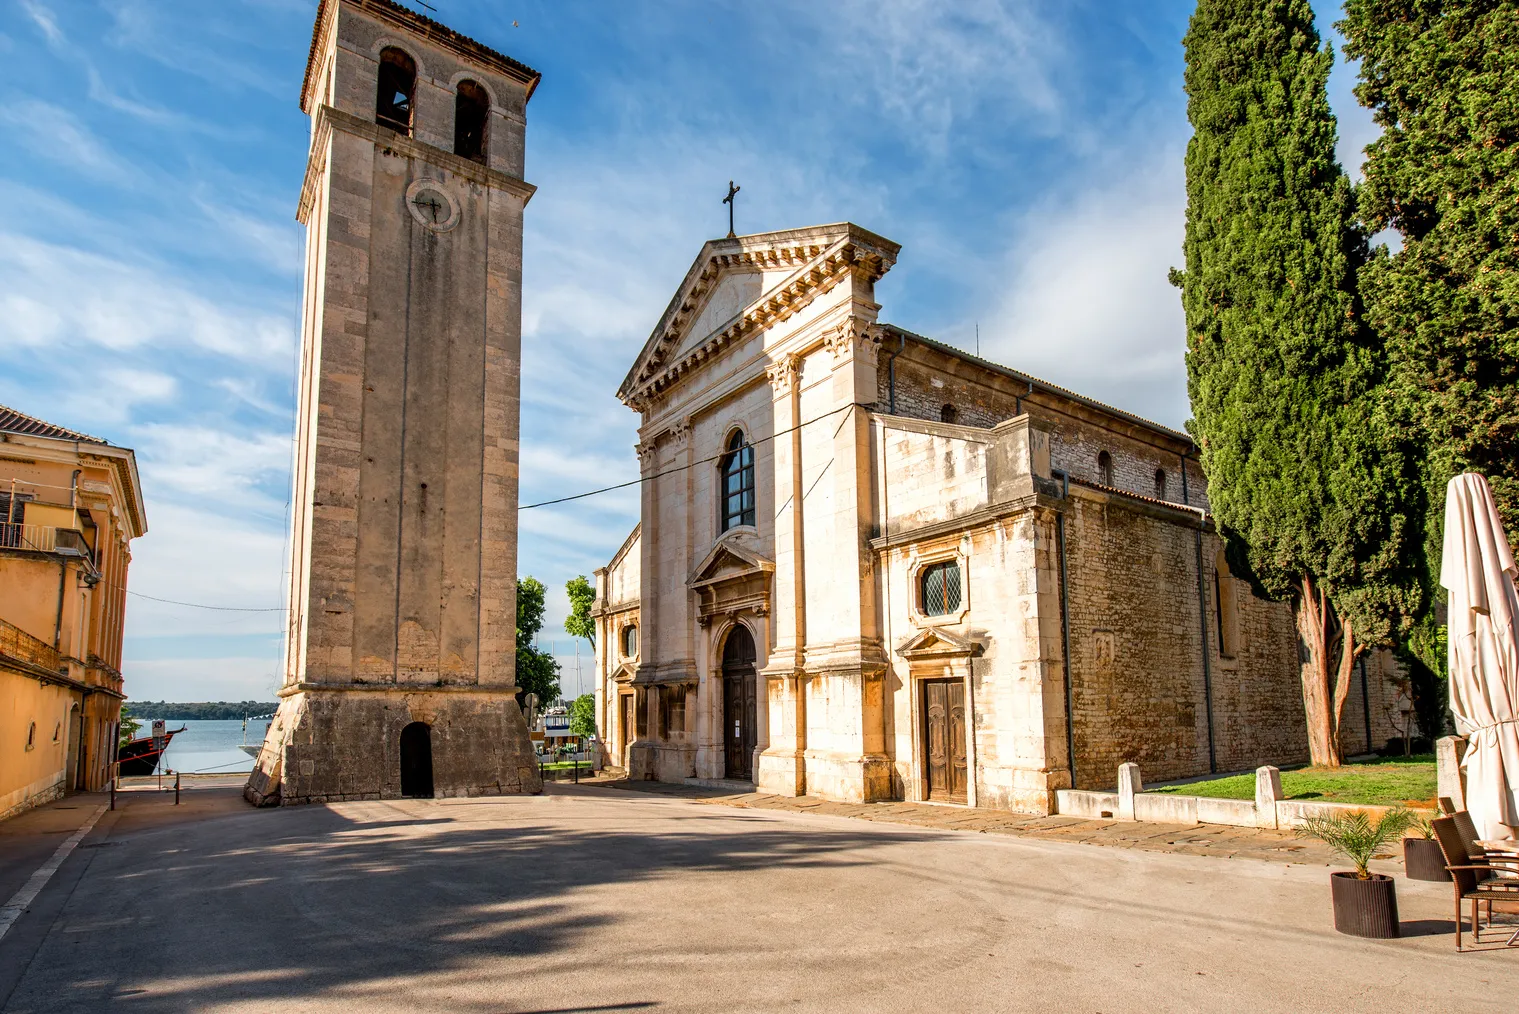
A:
{"x": 937, "y": 643}
{"x": 726, "y": 562}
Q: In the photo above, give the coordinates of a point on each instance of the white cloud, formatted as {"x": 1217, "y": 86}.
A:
{"x": 275, "y": 242}
{"x": 65, "y": 297}
{"x": 43, "y": 18}
{"x": 930, "y": 65}
{"x": 1087, "y": 304}
{"x": 212, "y": 464}
{"x": 210, "y": 558}
{"x": 53, "y": 133}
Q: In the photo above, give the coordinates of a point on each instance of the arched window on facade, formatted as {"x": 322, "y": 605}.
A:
{"x": 737, "y": 471}
{"x": 948, "y": 414}
{"x": 629, "y": 641}
{"x": 939, "y": 588}
{"x": 472, "y": 108}
{"x": 1105, "y": 468}
{"x": 1160, "y": 484}
{"x": 398, "y": 86}
{"x": 1226, "y": 607}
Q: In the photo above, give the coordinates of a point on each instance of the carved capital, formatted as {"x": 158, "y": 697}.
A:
{"x": 783, "y": 373}
{"x": 647, "y": 453}
{"x": 851, "y": 338}
{"x": 681, "y": 432}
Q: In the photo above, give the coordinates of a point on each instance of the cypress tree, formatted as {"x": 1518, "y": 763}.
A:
{"x": 1283, "y": 375}
{"x": 1442, "y": 77}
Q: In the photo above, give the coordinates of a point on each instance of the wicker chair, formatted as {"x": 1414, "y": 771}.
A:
{"x": 1475, "y": 881}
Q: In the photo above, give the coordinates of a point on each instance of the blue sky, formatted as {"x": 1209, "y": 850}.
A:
{"x": 1027, "y": 156}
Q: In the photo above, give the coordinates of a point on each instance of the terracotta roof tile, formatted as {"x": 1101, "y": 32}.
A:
{"x": 12, "y": 421}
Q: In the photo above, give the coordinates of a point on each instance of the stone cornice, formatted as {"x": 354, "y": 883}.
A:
{"x": 329, "y": 118}
{"x": 1050, "y": 499}
{"x": 822, "y": 257}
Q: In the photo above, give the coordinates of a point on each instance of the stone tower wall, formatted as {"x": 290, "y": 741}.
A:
{"x": 403, "y": 587}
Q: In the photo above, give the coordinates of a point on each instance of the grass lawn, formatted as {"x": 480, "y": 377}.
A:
{"x": 1382, "y": 782}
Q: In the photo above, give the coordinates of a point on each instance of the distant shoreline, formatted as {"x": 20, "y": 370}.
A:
{"x": 203, "y": 711}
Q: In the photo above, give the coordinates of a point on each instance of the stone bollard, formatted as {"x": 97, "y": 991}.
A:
{"x": 1448, "y": 751}
{"x": 1129, "y": 786}
{"x": 1268, "y": 790}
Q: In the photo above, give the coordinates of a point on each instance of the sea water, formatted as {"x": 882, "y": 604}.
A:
{"x": 208, "y": 746}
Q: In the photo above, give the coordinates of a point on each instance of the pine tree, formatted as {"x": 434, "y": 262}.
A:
{"x": 1442, "y": 77}
{"x": 1282, "y": 374}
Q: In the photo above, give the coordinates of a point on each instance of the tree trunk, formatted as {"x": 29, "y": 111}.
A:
{"x": 1348, "y": 652}
{"x": 1323, "y": 698}
{"x": 1313, "y": 626}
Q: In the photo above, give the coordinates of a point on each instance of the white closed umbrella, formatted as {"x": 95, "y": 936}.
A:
{"x": 1477, "y": 569}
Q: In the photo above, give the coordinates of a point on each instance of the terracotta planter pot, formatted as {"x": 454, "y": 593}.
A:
{"x": 1365, "y": 908}
{"x": 1423, "y": 860}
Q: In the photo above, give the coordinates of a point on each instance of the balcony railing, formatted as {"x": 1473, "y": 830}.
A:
{"x": 17, "y": 644}
{"x": 67, "y": 542}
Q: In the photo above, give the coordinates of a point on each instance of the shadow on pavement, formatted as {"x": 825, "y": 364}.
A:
{"x": 302, "y": 902}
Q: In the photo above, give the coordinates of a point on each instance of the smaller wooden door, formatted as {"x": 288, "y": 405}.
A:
{"x": 739, "y": 732}
{"x": 627, "y": 726}
{"x": 944, "y": 739}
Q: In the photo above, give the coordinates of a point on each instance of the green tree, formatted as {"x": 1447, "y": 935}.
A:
{"x": 582, "y": 597}
{"x": 537, "y": 670}
{"x": 130, "y": 724}
{"x": 1284, "y": 378}
{"x": 1442, "y": 78}
{"x": 583, "y": 716}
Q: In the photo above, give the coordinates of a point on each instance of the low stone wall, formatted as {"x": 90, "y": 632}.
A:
{"x": 1131, "y": 802}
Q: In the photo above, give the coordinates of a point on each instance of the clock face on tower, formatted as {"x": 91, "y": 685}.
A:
{"x": 432, "y": 206}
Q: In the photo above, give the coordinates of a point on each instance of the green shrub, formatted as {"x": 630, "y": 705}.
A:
{"x": 1353, "y": 834}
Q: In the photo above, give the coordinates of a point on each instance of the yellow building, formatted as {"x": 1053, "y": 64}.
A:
{"x": 70, "y": 504}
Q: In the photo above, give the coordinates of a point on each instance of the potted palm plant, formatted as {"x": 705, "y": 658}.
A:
{"x": 1365, "y": 903}
{"x": 1422, "y": 858}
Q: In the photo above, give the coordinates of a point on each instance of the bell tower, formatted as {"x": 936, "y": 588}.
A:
{"x": 400, "y": 645}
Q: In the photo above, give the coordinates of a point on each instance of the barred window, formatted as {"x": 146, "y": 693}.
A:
{"x": 737, "y": 470}
{"x": 939, "y": 587}
{"x": 629, "y": 641}
{"x": 398, "y": 83}
{"x": 1105, "y": 468}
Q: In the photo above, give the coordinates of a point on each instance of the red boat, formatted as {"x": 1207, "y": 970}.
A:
{"x": 141, "y": 756}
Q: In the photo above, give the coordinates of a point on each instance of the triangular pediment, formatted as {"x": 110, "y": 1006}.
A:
{"x": 727, "y": 561}
{"x": 744, "y": 283}
{"x": 937, "y": 642}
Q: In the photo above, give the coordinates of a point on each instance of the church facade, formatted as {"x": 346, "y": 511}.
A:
{"x": 871, "y": 566}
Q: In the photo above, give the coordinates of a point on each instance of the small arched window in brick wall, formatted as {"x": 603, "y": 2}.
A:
{"x": 948, "y": 414}
{"x": 471, "y": 116}
{"x": 1160, "y": 484}
{"x": 398, "y": 85}
{"x": 1105, "y": 468}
